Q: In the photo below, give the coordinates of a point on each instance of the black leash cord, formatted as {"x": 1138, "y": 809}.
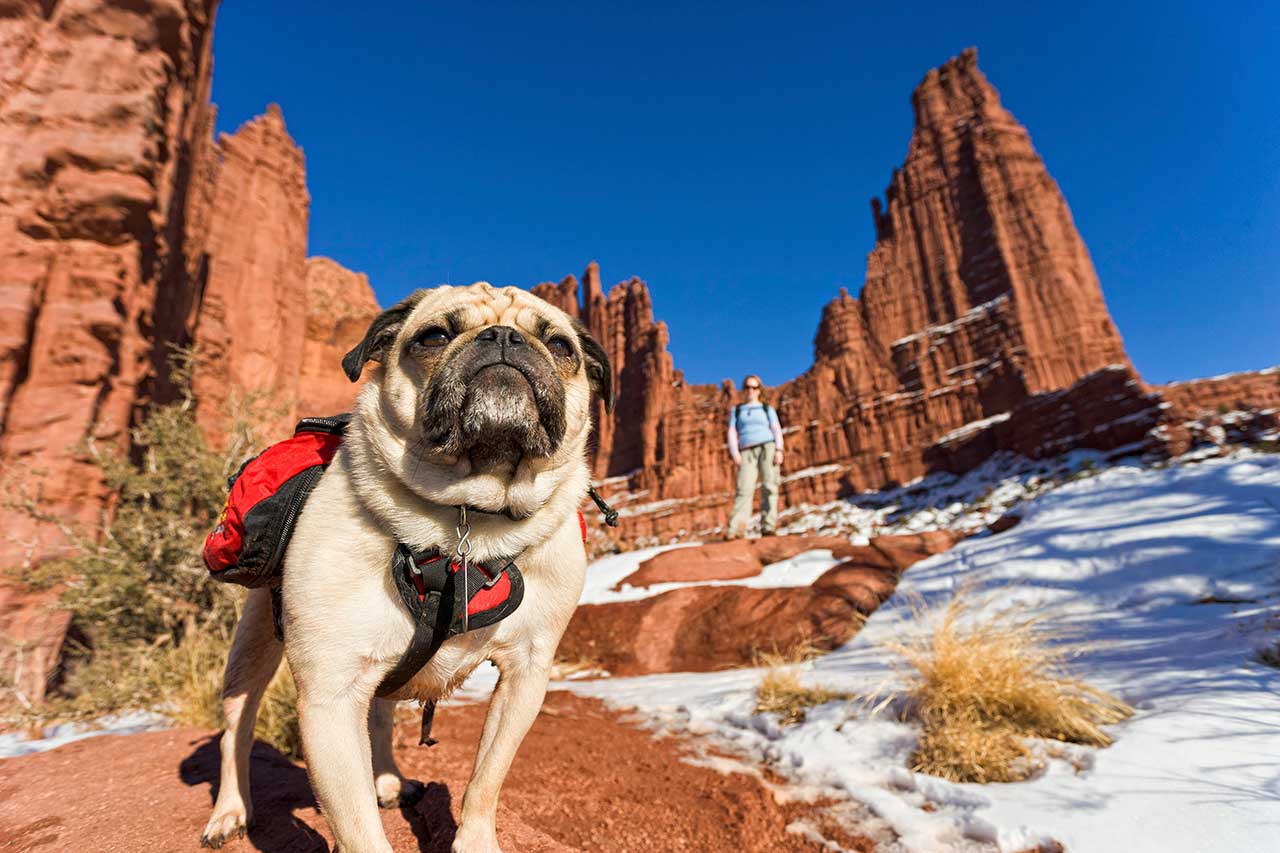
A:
{"x": 610, "y": 514}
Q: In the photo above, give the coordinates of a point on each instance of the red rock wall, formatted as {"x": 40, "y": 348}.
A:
{"x": 125, "y": 228}
{"x": 340, "y": 307}
{"x": 1257, "y": 389}
{"x": 103, "y": 107}
{"x": 254, "y": 301}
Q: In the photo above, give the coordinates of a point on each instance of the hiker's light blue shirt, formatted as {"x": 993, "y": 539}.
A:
{"x": 753, "y": 424}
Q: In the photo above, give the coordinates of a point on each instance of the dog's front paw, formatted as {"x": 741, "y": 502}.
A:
{"x": 395, "y": 792}
{"x": 224, "y": 826}
{"x": 469, "y": 840}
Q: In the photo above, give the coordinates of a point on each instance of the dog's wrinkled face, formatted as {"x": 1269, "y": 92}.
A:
{"x": 483, "y": 380}
{"x": 495, "y": 393}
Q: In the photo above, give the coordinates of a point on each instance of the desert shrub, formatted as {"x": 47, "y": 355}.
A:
{"x": 157, "y": 626}
{"x": 981, "y": 685}
{"x": 781, "y": 692}
{"x": 140, "y": 579}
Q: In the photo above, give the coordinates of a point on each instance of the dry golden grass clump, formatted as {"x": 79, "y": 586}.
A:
{"x": 780, "y": 691}
{"x": 982, "y": 686}
{"x": 197, "y": 694}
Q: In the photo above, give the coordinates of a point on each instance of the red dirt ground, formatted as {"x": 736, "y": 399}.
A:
{"x": 583, "y": 780}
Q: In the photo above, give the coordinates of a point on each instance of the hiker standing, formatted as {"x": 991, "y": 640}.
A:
{"x": 755, "y": 443}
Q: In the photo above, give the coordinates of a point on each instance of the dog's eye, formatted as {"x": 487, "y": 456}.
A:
{"x": 560, "y": 347}
{"x": 431, "y": 338}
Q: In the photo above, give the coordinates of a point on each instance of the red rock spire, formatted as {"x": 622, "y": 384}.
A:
{"x": 973, "y": 217}
{"x": 254, "y": 303}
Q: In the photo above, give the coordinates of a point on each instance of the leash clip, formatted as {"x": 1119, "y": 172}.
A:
{"x": 412, "y": 563}
{"x": 610, "y": 514}
{"x": 463, "y": 552}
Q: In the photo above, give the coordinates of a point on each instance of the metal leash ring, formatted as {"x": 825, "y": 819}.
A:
{"x": 463, "y": 552}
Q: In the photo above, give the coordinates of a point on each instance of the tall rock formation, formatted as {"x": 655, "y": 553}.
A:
{"x": 255, "y": 297}
{"x": 979, "y": 297}
{"x": 973, "y": 225}
{"x": 125, "y": 230}
{"x": 104, "y": 125}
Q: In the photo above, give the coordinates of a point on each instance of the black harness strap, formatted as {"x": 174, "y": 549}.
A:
{"x": 437, "y": 596}
{"x": 431, "y": 626}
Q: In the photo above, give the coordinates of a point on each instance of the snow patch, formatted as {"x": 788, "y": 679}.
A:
{"x": 13, "y": 744}
{"x": 1171, "y": 575}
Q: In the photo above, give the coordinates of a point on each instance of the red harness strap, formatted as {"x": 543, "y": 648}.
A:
{"x": 485, "y": 598}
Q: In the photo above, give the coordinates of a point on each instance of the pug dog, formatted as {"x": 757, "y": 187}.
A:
{"x": 477, "y": 396}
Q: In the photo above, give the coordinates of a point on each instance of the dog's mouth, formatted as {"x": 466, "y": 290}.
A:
{"x": 495, "y": 405}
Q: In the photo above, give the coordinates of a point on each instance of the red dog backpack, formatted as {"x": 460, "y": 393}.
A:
{"x": 266, "y": 495}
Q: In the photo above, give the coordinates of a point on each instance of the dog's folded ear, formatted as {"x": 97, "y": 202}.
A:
{"x": 599, "y": 370}
{"x": 382, "y": 333}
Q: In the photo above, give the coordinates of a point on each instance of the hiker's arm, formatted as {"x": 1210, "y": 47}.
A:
{"x": 777, "y": 436}
{"x": 733, "y": 441}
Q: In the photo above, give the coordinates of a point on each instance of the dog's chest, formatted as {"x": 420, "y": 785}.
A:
{"x": 526, "y": 638}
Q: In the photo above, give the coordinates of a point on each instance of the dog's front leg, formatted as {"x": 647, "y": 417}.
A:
{"x": 335, "y": 738}
{"x": 394, "y": 791}
{"x": 515, "y": 704}
{"x": 254, "y": 658}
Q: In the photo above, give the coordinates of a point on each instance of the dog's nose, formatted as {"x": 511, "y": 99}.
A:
{"x": 504, "y": 335}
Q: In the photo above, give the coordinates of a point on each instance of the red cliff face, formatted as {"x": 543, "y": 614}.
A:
{"x": 252, "y": 313}
{"x": 340, "y": 307}
{"x": 124, "y": 228}
{"x": 104, "y": 121}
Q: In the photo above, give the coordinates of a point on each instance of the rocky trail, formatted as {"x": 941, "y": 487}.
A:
{"x": 585, "y": 779}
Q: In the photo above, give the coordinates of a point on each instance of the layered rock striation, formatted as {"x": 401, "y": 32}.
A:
{"x": 105, "y": 127}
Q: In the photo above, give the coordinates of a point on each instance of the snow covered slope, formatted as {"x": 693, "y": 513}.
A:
{"x": 1173, "y": 573}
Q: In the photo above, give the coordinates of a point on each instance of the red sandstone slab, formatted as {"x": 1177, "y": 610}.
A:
{"x": 733, "y": 560}
{"x": 704, "y": 628}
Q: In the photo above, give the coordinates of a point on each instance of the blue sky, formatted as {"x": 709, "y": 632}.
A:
{"x": 727, "y": 152}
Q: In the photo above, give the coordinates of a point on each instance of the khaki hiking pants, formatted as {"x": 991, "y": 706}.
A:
{"x": 756, "y": 461}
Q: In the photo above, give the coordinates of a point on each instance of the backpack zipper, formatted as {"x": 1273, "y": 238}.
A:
{"x": 313, "y": 476}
